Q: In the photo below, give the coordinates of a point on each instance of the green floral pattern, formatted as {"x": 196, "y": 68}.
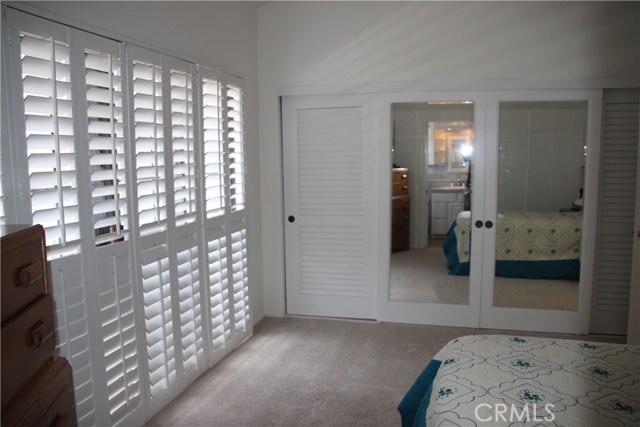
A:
{"x": 528, "y": 236}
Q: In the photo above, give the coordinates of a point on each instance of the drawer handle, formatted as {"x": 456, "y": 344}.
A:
{"x": 31, "y": 274}
{"x": 404, "y": 176}
{"x": 404, "y": 187}
{"x": 38, "y": 336}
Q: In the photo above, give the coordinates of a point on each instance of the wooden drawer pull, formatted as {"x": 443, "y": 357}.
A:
{"x": 38, "y": 335}
{"x": 31, "y": 274}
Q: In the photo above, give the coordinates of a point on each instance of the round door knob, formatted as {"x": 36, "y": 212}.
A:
{"x": 479, "y": 224}
{"x": 488, "y": 224}
{"x": 291, "y": 218}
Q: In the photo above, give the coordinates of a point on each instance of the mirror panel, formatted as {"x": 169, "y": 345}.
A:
{"x": 432, "y": 162}
{"x": 540, "y": 183}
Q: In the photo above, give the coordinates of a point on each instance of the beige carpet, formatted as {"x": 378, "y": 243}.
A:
{"x": 312, "y": 372}
{"x": 420, "y": 275}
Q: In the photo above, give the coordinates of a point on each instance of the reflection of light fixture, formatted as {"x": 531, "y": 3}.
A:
{"x": 466, "y": 150}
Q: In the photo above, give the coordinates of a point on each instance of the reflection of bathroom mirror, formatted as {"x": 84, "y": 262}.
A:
{"x": 456, "y": 160}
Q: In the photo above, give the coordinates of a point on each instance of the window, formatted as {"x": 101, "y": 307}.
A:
{"x": 236, "y": 146}
{"x": 105, "y": 115}
{"x": 135, "y": 167}
{"x": 50, "y": 142}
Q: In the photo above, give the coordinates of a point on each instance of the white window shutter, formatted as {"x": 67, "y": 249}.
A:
{"x": 183, "y": 146}
{"x": 212, "y": 142}
{"x": 156, "y": 288}
{"x": 235, "y": 134}
{"x": 239, "y": 279}
{"x": 50, "y": 140}
{"x": 123, "y": 154}
{"x": 107, "y": 148}
{"x": 149, "y": 145}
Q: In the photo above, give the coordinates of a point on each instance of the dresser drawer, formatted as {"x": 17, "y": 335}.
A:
{"x": 28, "y": 342}
{"x": 62, "y": 412}
{"x": 24, "y": 277}
{"x": 400, "y": 189}
{"x": 45, "y": 401}
{"x": 401, "y": 175}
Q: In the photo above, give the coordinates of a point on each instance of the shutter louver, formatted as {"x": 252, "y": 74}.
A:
{"x": 614, "y": 234}
{"x": 235, "y": 131}
{"x": 105, "y": 114}
{"x": 156, "y": 284}
{"x": 183, "y": 145}
{"x": 190, "y": 306}
{"x": 218, "y": 292}
{"x": 46, "y": 75}
{"x": 240, "y": 285}
{"x": 149, "y": 147}
{"x": 115, "y": 294}
{"x": 213, "y": 148}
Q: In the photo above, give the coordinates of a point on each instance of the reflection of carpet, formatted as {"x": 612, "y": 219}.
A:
{"x": 420, "y": 275}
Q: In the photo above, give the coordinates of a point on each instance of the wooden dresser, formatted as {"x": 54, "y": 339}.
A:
{"x": 400, "y": 215}
{"x": 37, "y": 387}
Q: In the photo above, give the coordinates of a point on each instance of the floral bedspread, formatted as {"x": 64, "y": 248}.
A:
{"x": 502, "y": 380}
{"x": 528, "y": 236}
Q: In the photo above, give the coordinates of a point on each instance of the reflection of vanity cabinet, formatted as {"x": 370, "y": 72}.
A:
{"x": 400, "y": 215}
{"x": 446, "y": 204}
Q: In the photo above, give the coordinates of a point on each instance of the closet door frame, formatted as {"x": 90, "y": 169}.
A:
{"x": 467, "y": 315}
{"x": 534, "y": 319}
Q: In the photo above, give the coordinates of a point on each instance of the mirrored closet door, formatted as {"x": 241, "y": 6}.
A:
{"x": 539, "y": 217}
{"x": 434, "y": 155}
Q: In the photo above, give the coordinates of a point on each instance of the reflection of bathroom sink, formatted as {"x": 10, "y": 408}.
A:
{"x": 448, "y": 189}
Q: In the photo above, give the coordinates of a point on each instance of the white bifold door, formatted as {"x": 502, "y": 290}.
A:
{"x": 329, "y": 183}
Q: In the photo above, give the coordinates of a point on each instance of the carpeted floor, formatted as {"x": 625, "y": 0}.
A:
{"x": 313, "y": 372}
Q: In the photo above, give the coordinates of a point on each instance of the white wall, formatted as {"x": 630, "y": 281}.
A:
{"x": 221, "y": 34}
{"x": 325, "y": 47}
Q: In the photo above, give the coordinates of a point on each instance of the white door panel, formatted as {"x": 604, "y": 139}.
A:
{"x": 329, "y": 229}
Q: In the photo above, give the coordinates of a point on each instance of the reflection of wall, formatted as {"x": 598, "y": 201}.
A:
{"x": 541, "y": 147}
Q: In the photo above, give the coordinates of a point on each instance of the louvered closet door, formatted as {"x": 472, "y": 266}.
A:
{"x": 328, "y": 187}
{"x": 615, "y": 232}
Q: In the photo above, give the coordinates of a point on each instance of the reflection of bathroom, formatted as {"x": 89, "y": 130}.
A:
{"x": 429, "y": 140}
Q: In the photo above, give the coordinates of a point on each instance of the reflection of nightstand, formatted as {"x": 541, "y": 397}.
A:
{"x": 569, "y": 210}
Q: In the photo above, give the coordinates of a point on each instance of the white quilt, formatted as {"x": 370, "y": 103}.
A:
{"x": 503, "y": 380}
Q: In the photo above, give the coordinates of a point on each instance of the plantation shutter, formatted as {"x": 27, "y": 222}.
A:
{"x": 149, "y": 145}
{"x": 614, "y": 234}
{"x": 105, "y": 114}
{"x": 148, "y": 74}
{"x": 234, "y": 114}
{"x": 238, "y": 256}
{"x": 107, "y": 147}
{"x": 213, "y": 149}
{"x": 156, "y": 288}
{"x": 50, "y": 141}
{"x": 183, "y": 145}
{"x": 135, "y": 166}
{"x": 186, "y": 161}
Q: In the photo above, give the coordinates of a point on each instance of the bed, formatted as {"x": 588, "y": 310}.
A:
{"x": 533, "y": 245}
{"x": 504, "y": 380}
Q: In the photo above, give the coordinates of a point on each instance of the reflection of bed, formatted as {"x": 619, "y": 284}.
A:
{"x": 476, "y": 380}
{"x": 534, "y": 245}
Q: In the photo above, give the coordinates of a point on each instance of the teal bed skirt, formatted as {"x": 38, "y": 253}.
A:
{"x": 556, "y": 269}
